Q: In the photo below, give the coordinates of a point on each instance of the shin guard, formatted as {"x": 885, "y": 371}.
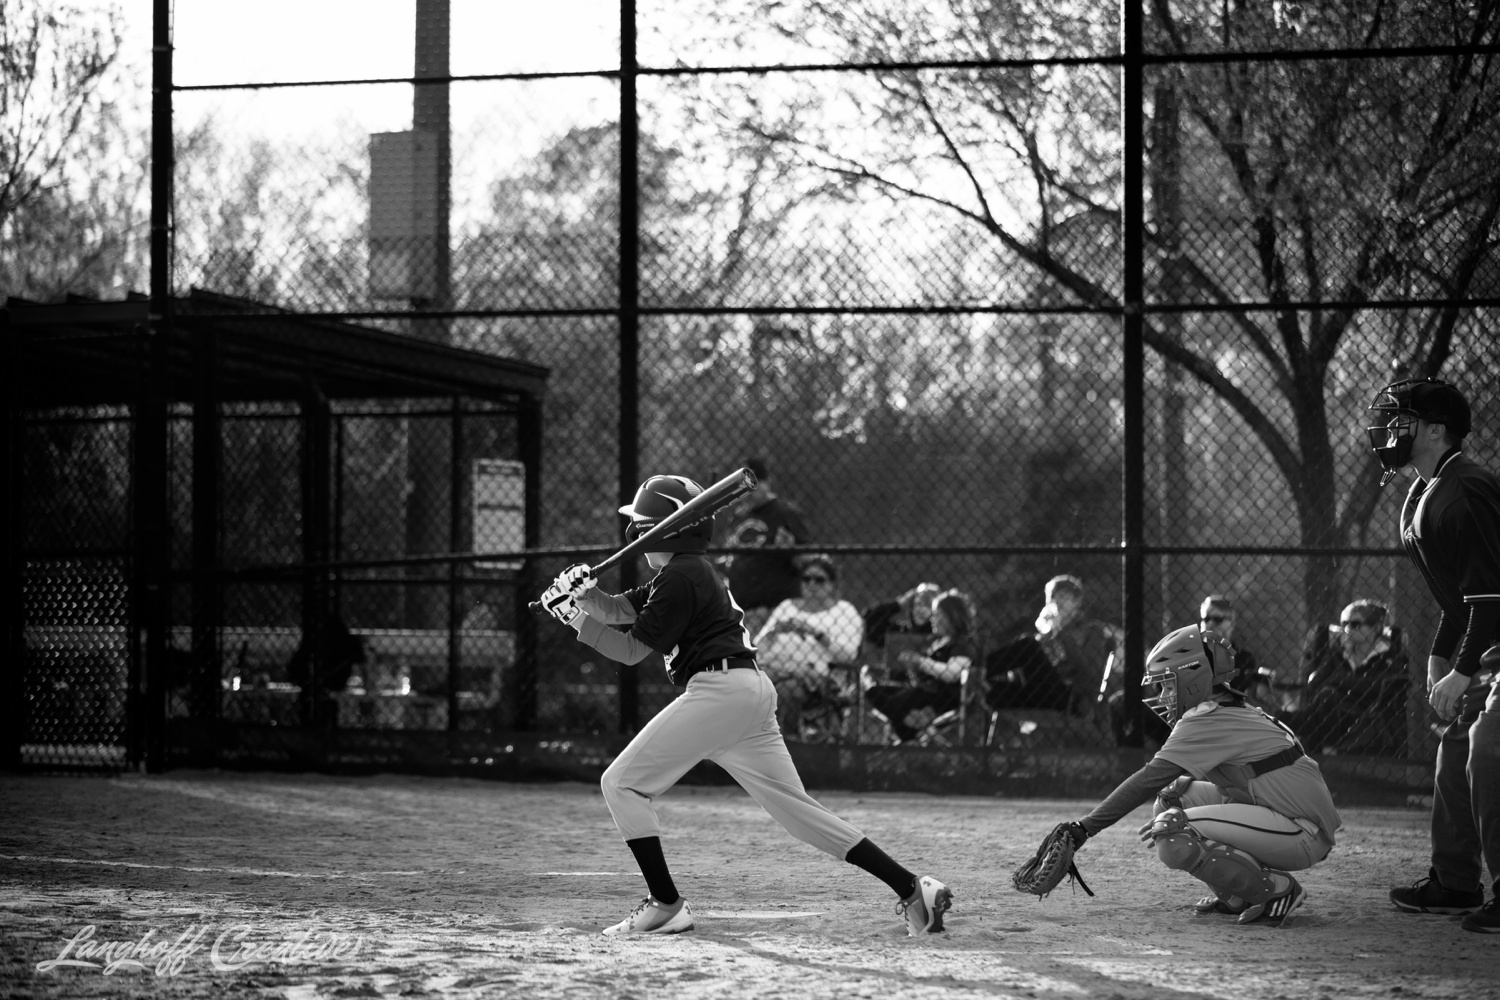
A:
{"x": 1225, "y": 870}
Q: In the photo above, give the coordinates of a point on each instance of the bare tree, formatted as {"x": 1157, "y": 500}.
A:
{"x": 72, "y": 212}
{"x": 1313, "y": 186}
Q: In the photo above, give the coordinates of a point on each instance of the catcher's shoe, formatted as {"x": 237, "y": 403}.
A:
{"x": 923, "y": 910}
{"x": 652, "y": 917}
{"x": 1428, "y": 895}
{"x": 1232, "y": 905}
{"x": 1280, "y": 906}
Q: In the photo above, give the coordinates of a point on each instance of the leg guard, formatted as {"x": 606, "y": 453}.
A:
{"x": 1170, "y": 797}
{"x": 1228, "y": 872}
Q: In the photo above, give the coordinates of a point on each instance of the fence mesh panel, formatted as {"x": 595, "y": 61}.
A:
{"x": 877, "y": 248}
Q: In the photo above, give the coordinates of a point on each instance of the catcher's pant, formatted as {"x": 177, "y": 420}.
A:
{"x": 728, "y": 717}
{"x": 1264, "y": 834}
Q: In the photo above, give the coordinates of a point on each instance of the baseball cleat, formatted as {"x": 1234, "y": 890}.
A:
{"x": 1428, "y": 895}
{"x": 1280, "y": 906}
{"x": 923, "y": 910}
{"x": 652, "y": 917}
{"x": 1231, "y": 905}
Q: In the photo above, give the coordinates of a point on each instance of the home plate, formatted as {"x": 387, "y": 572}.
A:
{"x": 759, "y": 914}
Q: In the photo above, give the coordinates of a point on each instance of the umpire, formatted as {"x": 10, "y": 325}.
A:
{"x": 1450, "y": 528}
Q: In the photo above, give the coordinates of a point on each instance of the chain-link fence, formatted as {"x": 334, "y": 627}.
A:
{"x": 994, "y": 301}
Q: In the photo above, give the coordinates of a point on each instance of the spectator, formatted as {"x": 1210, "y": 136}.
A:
{"x": 908, "y": 614}
{"x": 934, "y": 676}
{"x": 1354, "y": 698}
{"x": 1217, "y": 614}
{"x": 1062, "y": 662}
{"x": 325, "y": 662}
{"x": 321, "y": 666}
{"x": 762, "y": 520}
{"x": 803, "y": 636}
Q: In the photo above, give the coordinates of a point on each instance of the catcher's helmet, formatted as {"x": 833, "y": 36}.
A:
{"x": 1397, "y": 409}
{"x": 1185, "y": 669}
{"x": 658, "y": 497}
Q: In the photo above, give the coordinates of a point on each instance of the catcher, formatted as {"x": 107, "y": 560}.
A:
{"x": 1239, "y": 805}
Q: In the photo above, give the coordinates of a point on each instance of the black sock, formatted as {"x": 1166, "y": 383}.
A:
{"x": 875, "y": 861}
{"x": 647, "y": 851}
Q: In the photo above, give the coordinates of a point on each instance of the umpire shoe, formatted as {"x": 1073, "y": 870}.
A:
{"x": 1428, "y": 895}
{"x": 1486, "y": 920}
{"x": 652, "y": 917}
{"x": 1280, "y": 906}
{"x": 923, "y": 910}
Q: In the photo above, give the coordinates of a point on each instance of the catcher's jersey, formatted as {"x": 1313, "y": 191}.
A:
{"x": 1217, "y": 743}
{"x": 685, "y": 613}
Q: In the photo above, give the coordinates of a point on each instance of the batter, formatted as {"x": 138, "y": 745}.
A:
{"x": 726, "y": 714}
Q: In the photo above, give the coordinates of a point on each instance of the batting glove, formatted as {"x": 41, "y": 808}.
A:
{"x": 576, "y": 580}
{"x": 560, "y": 605}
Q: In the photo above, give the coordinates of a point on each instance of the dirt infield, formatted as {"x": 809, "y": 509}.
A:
{"x": 303, "y": 886}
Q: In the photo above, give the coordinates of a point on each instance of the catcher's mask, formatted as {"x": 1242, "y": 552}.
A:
{"x": 1185, "y": 669}
{"x": 1398, "y": 407}
{"x": 658, "y": 497}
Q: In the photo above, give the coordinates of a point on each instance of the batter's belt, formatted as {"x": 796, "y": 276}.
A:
{"x": 728, "y": 663}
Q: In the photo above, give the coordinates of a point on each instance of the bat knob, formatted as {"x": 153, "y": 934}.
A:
{"x": 535, "y": 607}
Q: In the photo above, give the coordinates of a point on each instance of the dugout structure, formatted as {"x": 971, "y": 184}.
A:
{"x": 236, "y": 532}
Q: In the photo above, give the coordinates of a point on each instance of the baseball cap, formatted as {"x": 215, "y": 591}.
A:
{"x": 1441, "y": 403}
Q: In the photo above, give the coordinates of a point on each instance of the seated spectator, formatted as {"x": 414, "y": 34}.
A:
{"x": 1357, "y": 677}
{"x": 932, "y": 681}
{"x": 908, "y": 614}
{"x": 767, "y": 522}
{"x": 326, "y": 661}
{"x": 321, "y": 666}
{"x": 1250, "y": 679}
{"x": 803, "y": 635}
{"x": 1060, "y": 662}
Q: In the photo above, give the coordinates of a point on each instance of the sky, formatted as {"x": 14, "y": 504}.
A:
{"x": 219, "y": 42}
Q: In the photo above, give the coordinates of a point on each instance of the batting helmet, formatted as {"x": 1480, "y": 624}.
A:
{"x": 1185, "y": 669}
{"x": 1400, "y": 405}
{"x": 659, "y": 497}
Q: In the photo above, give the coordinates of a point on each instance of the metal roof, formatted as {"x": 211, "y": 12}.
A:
{"x": 91, "y": 353}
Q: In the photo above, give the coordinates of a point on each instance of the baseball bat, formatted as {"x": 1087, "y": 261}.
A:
{"x": 705, "y": 505}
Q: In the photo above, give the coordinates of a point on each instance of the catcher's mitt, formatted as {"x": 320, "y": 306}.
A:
{"x": 1053, "y": 860}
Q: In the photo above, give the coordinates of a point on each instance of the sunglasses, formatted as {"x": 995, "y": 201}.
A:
{"x": 1354, "y": 623}
{"x": 814, "y": 578}
{"x": 1216, "y": 619}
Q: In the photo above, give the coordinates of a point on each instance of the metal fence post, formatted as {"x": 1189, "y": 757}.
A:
{"x": 1132, "y": 224}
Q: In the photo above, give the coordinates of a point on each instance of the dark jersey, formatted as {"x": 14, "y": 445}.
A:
{"x": 686, "y": 614}
{"x": 765, "y": 579}
{"x": 1450, "y": 527}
